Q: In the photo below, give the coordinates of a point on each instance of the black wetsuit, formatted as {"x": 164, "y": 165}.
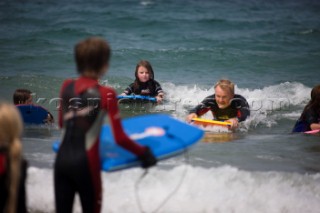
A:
{"x": 77, "y": 168}
{"x": 304, "y": 122}
{"x": 238, "y": 108}
{"x": 149, "y": 88}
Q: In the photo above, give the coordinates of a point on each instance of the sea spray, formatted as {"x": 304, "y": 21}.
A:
{"x": 221, "y": 189}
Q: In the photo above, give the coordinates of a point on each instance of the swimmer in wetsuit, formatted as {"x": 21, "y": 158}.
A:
{"x": 224, "y": 105}
{"x": 84, "y": 104}
{"x": 310, "y": 117}
{"x": 24, "y": 97}
{"x": 144, "y": 83}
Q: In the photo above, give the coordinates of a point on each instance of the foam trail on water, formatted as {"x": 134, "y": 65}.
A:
{"x": 222, "y": 189}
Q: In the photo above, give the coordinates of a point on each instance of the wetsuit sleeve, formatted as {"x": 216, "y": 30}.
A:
{"x": 129, "y": 89}
{"x": 158, "y": 88}
{"x": 311, "y": 117}
{"x": 243, "y": 109}
{"x": 60, "y": 114}
{"x": 203, "y": 107}
{"x": 110, "y": 103}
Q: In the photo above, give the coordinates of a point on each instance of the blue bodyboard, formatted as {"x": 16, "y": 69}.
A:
{"x": 32, "y": 114}
{"x": 166, "y": 137}
{"x": 137, "y": 97}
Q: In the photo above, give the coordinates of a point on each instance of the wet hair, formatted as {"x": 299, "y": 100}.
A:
{"x": 137, "y": 82}
{"x": 20, "y": 96}
{"x": 314, "y": 103}
{"x": 92, "y": 54}
{"x": 225, "y": 84}
{"x": 10, "y": 133}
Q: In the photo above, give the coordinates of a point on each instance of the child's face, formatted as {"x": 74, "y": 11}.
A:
{"x": 143, "y": 74}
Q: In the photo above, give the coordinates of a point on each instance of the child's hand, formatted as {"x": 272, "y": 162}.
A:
{"x": 147, "y": 159}
{"x": 49, "y": 119}
{"x": 190, "y": 117}
{"x": 234, "y": 123}
{"x": 123, "y": 94}
{"x": 159, "y": 98}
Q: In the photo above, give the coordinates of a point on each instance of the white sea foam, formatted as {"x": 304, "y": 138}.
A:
{"x": 223, "y": 189}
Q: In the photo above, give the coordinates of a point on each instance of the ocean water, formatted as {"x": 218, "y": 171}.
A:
{"x": 270, "y": 49}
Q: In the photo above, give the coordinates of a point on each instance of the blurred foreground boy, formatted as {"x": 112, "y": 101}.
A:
{"x": 84, "y": 104}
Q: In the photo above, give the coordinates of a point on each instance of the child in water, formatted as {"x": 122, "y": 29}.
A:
{"x": 224, "y": 105}
{"x": 24, "y": 97}
{"x": 12, "y": 166}
{"x": 310, "y": 117}
{"x": 84, "y": 105}
{"x": 144, "y": 83}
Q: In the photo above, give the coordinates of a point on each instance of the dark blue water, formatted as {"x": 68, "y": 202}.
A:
{"x": 270, "y": 49}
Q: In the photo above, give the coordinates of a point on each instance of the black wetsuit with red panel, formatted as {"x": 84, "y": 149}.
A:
{"x": 238, "y": 108}
{"x": 84, "y": 104}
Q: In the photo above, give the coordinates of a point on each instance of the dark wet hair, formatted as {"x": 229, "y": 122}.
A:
{"x": 137, "y": 82}
{"x": 92, "y": 54}
{"x": 314, "y": 103}
{"x": 20, "y": 96}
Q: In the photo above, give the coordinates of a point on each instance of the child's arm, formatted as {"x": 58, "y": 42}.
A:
{"x": 49, "y": 119}
{"x": 191, "y": 116}
{"x": 128, "y": 90}
{"x": 311, "y": 118}
{"x": 144, "y": 153}
{"x": 60, "y": 114}
{"x": 159, "y": 91}
{"x": 200, "y": 109}
{"x": 315, "y": 126}
{"x": 160, "y": 97}
{"x": 120, "y": 137}
{"x": 243, "y": 111}
{"x": 234, "y": 122}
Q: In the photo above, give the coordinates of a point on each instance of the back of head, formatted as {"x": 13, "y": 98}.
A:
{"x": 92, "y": 54}
{"x": 314, "y": 103}
{"x": 21, "y": 96}
{"x": 225, "y": 84}
{"x": 147, "y": 65}
{"x": 315, "y": 98}
{"x": 10, "y": 124}
{"x": 315, "y": 94}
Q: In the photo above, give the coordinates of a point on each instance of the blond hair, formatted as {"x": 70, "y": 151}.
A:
{"x": 225, "y": 84}
{"x": 10, "y": 132}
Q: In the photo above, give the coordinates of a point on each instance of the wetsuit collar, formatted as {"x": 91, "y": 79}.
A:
{"x": 86, "y": 78}
{"x": 83, "y": 83}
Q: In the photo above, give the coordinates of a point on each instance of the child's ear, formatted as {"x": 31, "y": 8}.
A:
{"x": 104, "y": 69}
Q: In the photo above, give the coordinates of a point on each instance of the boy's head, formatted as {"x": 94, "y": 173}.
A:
{"x": 226, "y": 85}
{"x": 22, "y": 96}
{"x": 92, "y": 54}
{"x": 224, "y": 93}
{"x": 10, "y": 124}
